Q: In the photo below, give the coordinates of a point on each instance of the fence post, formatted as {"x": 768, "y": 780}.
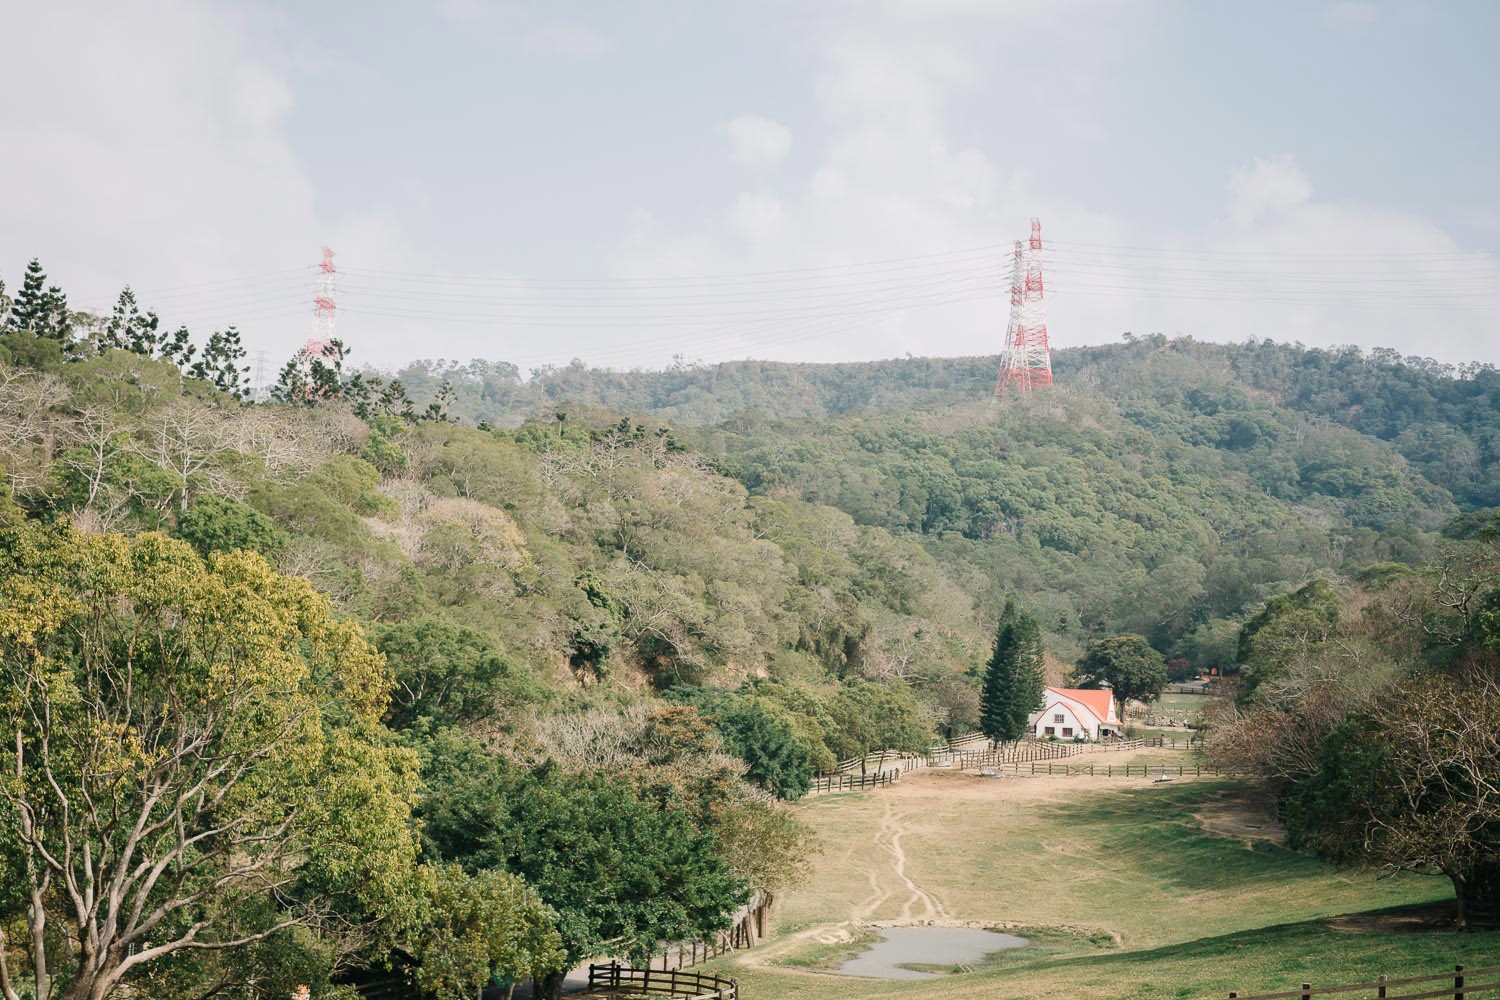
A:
{"x": 1233, "y": 995}
{"x": 1380, "y": 992}
{"x": 1306, "y": 991}
{"x": 1458, "y": 982}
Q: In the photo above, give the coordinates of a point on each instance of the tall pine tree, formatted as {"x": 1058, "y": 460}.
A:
{"x": 128, "y": 329}
{"x": 1013, "y": 679}
{"x": 220, "y": 363}
{"x": 41, "y": 309}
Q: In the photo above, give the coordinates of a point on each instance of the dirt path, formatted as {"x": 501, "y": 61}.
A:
{"x": 888, "y": 879}
{"x": 914, "y": 808}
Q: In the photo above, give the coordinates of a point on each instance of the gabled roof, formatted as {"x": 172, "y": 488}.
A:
{"x": 1099, "y": 701}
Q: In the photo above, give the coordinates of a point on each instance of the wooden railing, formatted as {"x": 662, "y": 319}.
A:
{"x": 851, "y": 782}
{"x": 1173, "y": 743}
{"x": 1459, "y": 984}
{"x": 628, "y": 981}
{"x": 881, "y": 760}
{"x": 1127, "y": 770}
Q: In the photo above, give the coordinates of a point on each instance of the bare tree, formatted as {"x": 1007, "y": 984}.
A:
{"x": 30, "y": 425}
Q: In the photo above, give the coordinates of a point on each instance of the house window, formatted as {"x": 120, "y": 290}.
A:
{"x": 1050, "y": 731}
{"x": 1068, "y": 731}
{"x": 1058, "y": 717}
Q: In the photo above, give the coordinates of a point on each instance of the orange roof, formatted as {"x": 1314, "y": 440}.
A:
{"x": 1098, "y": 700}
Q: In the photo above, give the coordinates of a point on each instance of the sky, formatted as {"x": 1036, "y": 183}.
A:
{"x": 631, "y": 183}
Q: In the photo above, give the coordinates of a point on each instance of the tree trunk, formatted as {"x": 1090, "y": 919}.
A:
{"x": 1478, "y": 893}
{"x": 552, "y": 985}
{"x": 37, "y": 919}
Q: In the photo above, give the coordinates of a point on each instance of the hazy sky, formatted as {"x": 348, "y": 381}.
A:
{"x": 809, "y": 180}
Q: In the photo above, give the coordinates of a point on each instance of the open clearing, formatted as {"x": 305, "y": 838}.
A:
{"x": 1126, "y": 888}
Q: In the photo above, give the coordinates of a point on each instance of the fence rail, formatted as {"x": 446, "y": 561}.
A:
{"x": 1458, "y": 984}
{"x": 617, "y": 978}
{"x": 1128, "y": 770}
{"x": 851, "y": 782}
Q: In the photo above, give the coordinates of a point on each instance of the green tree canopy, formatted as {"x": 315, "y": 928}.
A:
{"x": 1129, "y": 665}
{"x": 1013, "y": 679}
{"x": 216, "y": 524}
{"x": 185, "y": 743}
{"x": 620, "y": 870}
{"x": 1290, "y": 625}
{"x": 1408, "y": 785}
{"x": 473, "y": 929}
{"x": 449, "y": 674}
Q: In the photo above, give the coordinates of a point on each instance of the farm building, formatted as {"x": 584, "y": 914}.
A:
{"x": 1071, "y": 713}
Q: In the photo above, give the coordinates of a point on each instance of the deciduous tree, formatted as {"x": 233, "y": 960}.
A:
{"x": 184, "y": 742}
{"x": 1413, "y": 784}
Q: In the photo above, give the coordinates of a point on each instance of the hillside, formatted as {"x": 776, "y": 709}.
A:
{"x": 1444, "y": 420}
{"x": 514, "y": 638}
{"x": 1160, "y": 487}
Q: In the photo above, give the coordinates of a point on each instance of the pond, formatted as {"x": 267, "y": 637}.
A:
{"x": 940, "y": 946}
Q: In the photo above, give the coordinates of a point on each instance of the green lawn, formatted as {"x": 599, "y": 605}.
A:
{"x": 1118, "y": 882}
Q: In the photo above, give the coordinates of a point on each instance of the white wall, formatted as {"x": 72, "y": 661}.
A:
{"x": 1072, "y": 719}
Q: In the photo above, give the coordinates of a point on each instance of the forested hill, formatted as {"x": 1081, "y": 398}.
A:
{"x": 1163, "y": 487}
{"x": 1445, "y": 420}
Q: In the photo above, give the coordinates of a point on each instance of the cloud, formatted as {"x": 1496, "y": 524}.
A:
{"x": 756, "y": 217}
{"x": 1266, "y": 188}
{"x": 167, "y": 165}
{"x": 568, "y": 39}
{"x": 1353, "y": 12}
{"x": 757, "y": 140}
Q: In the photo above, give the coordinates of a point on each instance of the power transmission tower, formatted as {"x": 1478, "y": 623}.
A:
{"x": 261, "y": 392}
{"x": 323, "y": 305}
{"x": 1026, "y": 361}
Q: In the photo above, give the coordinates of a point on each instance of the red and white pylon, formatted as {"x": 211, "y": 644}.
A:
{"x": 1026, "y": 361}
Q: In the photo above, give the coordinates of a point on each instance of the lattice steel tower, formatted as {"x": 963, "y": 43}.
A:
{"x": 323, "y": 307}
{"x": 1026, "y": 361}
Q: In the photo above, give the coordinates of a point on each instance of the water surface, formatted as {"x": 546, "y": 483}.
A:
{"x": 900, "y": 946}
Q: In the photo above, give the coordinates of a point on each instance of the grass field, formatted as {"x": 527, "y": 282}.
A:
{"x": 1181, "y": 707}
{"x": 1128, "y": 889}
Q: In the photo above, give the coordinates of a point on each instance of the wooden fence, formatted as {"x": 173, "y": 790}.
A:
{"x": 851, "y": 782}
{"x": 628, "y": 981}
{"x": 1459, "y": 984}
{"x": 1018, "y": 753}
{"x": 1126, "y": 770}
{"x": 881, "y": 760}
{"x": 1174, "y": 743}
{"x": 747, "y": 926}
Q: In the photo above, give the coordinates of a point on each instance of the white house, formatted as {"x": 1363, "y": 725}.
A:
{"x": 1074, "y": 712}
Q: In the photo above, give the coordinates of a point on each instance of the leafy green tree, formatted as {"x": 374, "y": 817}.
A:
{"x": 216, "y": 524}
{"x": 869, "y": 716}
{"x": 622, "y": 872}
{"x": 178, "y": 348}
{"x": 1407, "y": 785}
{"x": 186, "y": 741}
{"x": 761, "y": 735}
{"x": 1013, "y": 679}
{"x": 471, "y": 930}
{"x": 448, "y": 674}
{"x": 1288, "y": 626}
{"x": 1129, "y": 665}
